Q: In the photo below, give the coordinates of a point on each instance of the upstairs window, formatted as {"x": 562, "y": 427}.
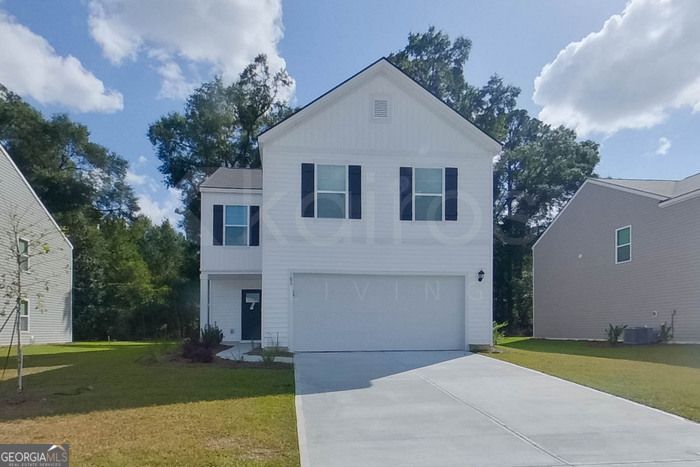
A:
{"x": 23, "y": 249}
{"x": 331, "y": 191}
{"x": 623, "y": 244}
{"x": 236, "y": 226}
{"x": 428, "y": 194}
{"x": 24, "y": 316}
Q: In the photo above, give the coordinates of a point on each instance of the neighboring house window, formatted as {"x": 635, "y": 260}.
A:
{"x": 23, "y": 246}
{"x": 331, "y": 191}
{"x": 623, "y": 244}
{"x": 236, "y": 225}
{"x": 24, "y": 316}
{"x": 428, "y": 194}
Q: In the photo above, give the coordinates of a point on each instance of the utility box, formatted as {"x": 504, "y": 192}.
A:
{"x": 638, "y": 335}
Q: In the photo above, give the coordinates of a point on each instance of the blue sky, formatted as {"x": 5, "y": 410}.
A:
{"x": 625, "y": 74}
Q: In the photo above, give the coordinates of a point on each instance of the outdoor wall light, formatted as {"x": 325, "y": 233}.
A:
{"x": 480, "y": 274}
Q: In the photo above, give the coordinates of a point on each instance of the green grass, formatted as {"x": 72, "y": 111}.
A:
{"x": 113, "y": 408}
{"x": 663, "y": 376}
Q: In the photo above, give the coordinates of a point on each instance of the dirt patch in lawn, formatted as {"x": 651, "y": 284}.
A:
{"x": 246, "y": 447}
{"x": 174, "y": 358}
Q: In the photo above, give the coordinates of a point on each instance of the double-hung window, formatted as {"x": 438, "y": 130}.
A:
{"x": 236, "y": 225}
{"x": 23, "y": 248}
{"x": 428, "y": 194}
{"x": 24, "y": 315}
{"x": 331, "y": 191}
{"x": 623, "y": 244}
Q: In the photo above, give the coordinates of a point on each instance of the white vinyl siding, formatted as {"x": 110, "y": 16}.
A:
{"x": 331, "y": 191}
{"x": 428, "y": 194}
{"x": 623, "y": 245}
{"x": 215, "y": 259}
{"x": 24, "y": 316}
{"x": 236, "y": 225}
{"x": 50, "y": 274}
{"x": 23, "y": 248}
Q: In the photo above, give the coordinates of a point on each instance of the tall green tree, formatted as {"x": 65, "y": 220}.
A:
{"x": 67, "y": 170}
{"x": 218, "y": 128}
{"x": 538, "y": 172}
{"x": 131, "y": 279}
{"x": 173, "y": 263}
{"x": 437, "y": 63}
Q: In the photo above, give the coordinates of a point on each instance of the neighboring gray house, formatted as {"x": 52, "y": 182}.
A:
{"x": 46, "y": 310}
{"x": 370, "y": 232}
{"x": 621, "y": 252}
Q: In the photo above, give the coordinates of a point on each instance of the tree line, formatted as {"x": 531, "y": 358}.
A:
{"x": 134, "y": 279}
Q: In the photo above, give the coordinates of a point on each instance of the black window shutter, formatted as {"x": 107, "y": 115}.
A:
{"x": 355, "y": 189}
{"x": 254, "y": 231}
{"x": 218, "y": 228}
{"x": 450, "y": 194}
{"x": 307, "y": 190}
{"x": 406, "y": 190}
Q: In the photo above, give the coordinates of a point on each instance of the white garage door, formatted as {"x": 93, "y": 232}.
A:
{"x": 369, "y": 312}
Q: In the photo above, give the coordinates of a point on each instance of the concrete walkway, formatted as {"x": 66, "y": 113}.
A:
{"x": 457, "y": 409}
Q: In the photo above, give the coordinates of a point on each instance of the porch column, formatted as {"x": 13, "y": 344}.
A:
{"x": 203, "y": 300}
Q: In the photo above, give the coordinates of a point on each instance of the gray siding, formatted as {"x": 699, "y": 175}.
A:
{"x": 49, "y": 310}
{"x": 578, "y": 287}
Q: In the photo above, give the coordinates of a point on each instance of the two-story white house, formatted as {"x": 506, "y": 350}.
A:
{"x": 369, "y": 226}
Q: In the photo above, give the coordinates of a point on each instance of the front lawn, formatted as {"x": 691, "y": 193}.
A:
{"x": 663, "y": 376}
{"x": 114, "y": 409}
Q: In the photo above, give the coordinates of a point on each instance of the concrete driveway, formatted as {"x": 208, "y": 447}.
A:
{"x": 452, "y": 408}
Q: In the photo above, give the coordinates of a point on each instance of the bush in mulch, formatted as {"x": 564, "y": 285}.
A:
{"x": 201, "y": 349}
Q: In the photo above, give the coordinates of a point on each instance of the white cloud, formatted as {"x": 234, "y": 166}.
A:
{"x": 31, "y": 67}
{"x": 135, "y": 179}
{"x": 142, "y": 159}
{"x": 219, "y": 36}
{"x": 158, "y": 211}
{"x": 642, "y": 64}
{"x": 664, "y": 146}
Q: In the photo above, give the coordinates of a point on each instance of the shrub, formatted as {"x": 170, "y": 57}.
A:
{"x": 159, "y": 350}
{"x": 189, "y": 348}
{"x": 613, "y": 333}
{"x": 498, "y": 335}
{"x": 197, "y": 351}
{"x": 666, "y": 333}
{"x": 203, "y": 355}
{"x": 269, "y": 354}
{"x": 211, "y": 336}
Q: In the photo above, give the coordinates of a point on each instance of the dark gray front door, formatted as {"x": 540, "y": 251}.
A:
{"x": 250, "y": 315}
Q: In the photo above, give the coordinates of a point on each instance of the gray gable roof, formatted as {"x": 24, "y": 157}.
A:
{"x": 247, "y": 179}
{"x": 668, "y": 189}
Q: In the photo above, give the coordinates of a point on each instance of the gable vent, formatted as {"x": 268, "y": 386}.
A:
{"x": 381, "y": 109}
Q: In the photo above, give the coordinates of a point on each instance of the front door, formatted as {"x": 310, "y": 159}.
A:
{"x": 250, "y": 315}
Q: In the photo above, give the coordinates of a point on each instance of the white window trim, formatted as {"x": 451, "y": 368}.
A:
{"x": 26, "y": 251}
{"x": 624, "y": 244}
{"x": 27, "y": 317}
{"x": 413, "y": 205}
{"x": 317, "y": 191}
{"x": 247, "y": 226}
